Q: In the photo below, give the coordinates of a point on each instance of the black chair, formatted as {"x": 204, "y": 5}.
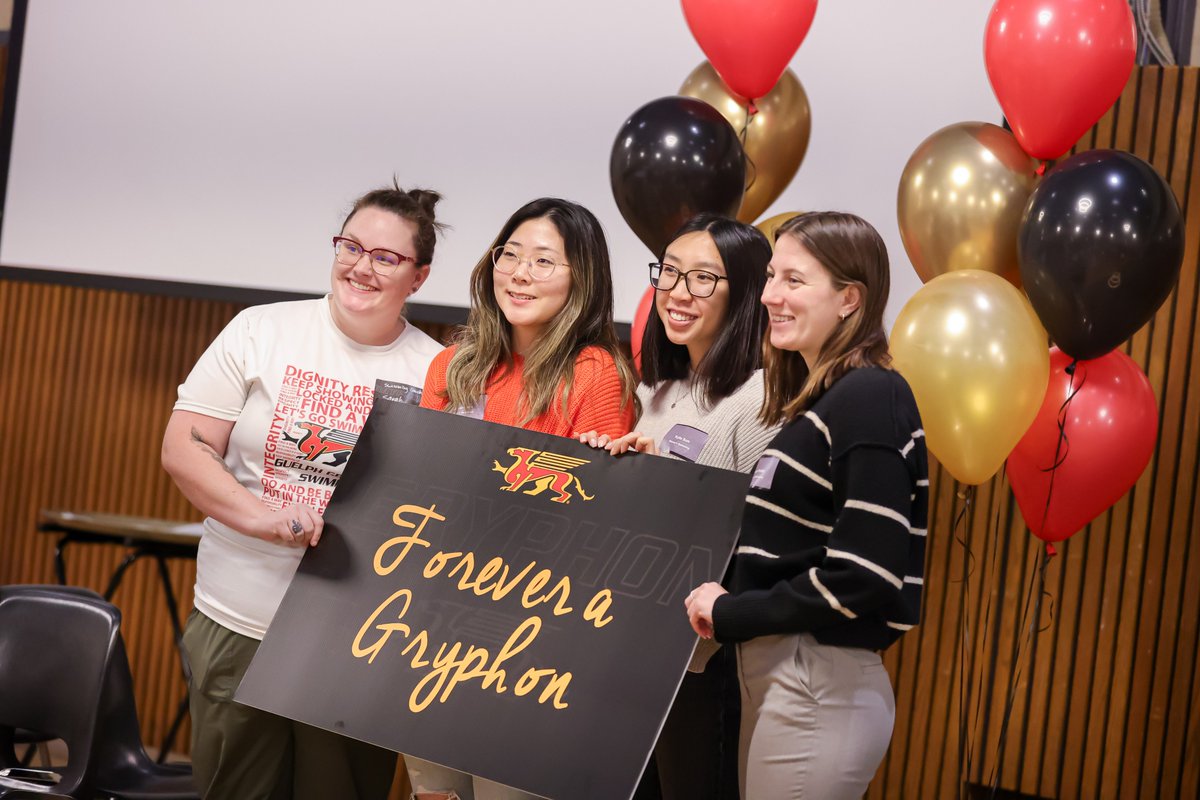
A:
{"x": 32, "y": 741}
{"x": 55, "y": 650}
{"x": 123, "y": 768}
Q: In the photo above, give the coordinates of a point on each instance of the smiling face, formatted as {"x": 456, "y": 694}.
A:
{"x": 805, "y": 307}
{"x": 365, "y": 305}
{"x": 694, "y": 322}
{"x": 527, "y": 303}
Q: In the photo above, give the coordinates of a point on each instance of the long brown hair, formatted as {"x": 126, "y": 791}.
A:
{"x": 585, "y": 321}
{"x": 853, "y": 254}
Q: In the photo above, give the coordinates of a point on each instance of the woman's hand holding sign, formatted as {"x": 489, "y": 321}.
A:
{"x": 622, "y": 444}
{"x": 294, "y": 525}
{"x": 699, "y": 605}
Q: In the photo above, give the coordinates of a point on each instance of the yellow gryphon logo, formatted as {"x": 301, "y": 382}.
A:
{"x": 539, "y": 471}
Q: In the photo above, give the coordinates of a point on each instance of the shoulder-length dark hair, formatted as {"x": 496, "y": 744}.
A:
{"x": 585, "y": 321}
{"x": 737, "y": 351}
{"x": 853, "y": 254}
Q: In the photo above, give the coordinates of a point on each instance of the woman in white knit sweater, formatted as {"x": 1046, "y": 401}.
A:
{"x": 701, "y": 392}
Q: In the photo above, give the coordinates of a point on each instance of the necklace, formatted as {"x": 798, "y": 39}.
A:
{"x": 684, "y": 388}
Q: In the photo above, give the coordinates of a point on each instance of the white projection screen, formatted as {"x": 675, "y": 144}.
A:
{"x": 219, "y": 143}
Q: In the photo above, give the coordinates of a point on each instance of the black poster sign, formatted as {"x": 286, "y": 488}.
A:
{"x": 503, "y": 602}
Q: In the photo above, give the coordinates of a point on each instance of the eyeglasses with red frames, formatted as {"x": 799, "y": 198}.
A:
{"x": 384, "y": 262}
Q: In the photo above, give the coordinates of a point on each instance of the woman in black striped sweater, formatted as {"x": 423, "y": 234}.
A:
{"x": 829, "y": 567}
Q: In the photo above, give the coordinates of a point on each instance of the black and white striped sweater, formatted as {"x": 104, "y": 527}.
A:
{"x": 833, "y": 533}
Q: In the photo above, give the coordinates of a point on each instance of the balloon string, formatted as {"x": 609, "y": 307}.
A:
{"x": 985, "y": 627}
{"x": 967, "y": 496}
{"x": 1038, "y": 583}
{"x": 1063, "y": 446}
{"x": 751, "y": 167}
{"x": 1050, "y": 553}
{"x": 960, "y": 532}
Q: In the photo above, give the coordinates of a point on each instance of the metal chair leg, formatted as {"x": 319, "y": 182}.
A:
{"x": 115, "y": 580}
{"x": 177, "y": 629}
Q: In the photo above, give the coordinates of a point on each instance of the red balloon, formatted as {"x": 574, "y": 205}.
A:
{"x": 640, "y": 317}
{"x": 1057, "y": 65}
{"x": 749, "y": 42}
{"x": 1111, "y": 430}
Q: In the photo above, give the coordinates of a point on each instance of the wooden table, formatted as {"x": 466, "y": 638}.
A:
{"x": 144, "y": 537}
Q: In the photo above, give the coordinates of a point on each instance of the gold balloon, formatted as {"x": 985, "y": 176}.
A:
{"x": 962, "y": 195}
{"x": 769, "y": 225}
{"x": 978, "y": 361}
{"x": 776, "y": 136}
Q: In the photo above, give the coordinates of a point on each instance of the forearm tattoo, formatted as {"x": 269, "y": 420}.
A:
{"x": 208, "y": 448}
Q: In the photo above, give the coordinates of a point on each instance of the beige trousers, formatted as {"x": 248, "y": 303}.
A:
{"x": 816, "y": 719}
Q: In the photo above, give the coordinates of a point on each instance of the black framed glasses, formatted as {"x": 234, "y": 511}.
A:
{"x": 698, "y": 282}
{"x": 507, "y": 258}
{"x": 385, "y": 262}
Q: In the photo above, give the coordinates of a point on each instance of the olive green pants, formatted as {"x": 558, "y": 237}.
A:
{"x": 242, "y": 753}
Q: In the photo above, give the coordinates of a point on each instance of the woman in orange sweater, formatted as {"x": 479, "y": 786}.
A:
{"x": 539, "y": 350}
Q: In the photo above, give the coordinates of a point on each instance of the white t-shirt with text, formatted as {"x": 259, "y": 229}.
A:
{"x": 298, "y": 391}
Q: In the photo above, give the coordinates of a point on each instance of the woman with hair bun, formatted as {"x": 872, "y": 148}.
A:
{"x": 281, "y": 396}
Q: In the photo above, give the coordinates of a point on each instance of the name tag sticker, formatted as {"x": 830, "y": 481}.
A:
{"x": 398, "y": 392}
{"x": 684, "y": 441}
{"x": 764, "y": 472}
{"x": 475, "y": 412}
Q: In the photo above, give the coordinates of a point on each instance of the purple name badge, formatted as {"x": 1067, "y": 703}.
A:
{"x": 684, "y": 441}
{"x": 764, "y": 472}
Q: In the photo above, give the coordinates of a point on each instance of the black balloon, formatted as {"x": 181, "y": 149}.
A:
{"x": 1100, "y": 247}
{"x": 674, "y": 158}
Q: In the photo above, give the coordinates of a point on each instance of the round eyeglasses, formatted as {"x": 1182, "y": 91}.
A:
{"x": 384, "y": 262}
{"x": 507, "y": 258}
{"x": 698, "y": 282}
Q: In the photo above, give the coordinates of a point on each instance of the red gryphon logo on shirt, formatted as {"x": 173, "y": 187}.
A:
{"x": 319, "y": 440}
{"x": 539, "y": 471}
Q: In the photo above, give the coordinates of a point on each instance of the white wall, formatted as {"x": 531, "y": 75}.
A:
{"x": 197, "y": 140}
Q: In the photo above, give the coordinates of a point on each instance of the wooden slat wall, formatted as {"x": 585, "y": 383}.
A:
{"x": 1107, "y": 706}
{"x": 1106, "y": 698}
{"x": 87, "y": 381}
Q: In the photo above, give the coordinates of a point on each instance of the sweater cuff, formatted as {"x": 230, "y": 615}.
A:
{"x": 739, "y": 617}
{"x": 729, "y": 618}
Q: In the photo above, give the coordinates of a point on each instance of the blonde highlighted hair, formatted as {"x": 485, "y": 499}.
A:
{"x": 585, "y": 321}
